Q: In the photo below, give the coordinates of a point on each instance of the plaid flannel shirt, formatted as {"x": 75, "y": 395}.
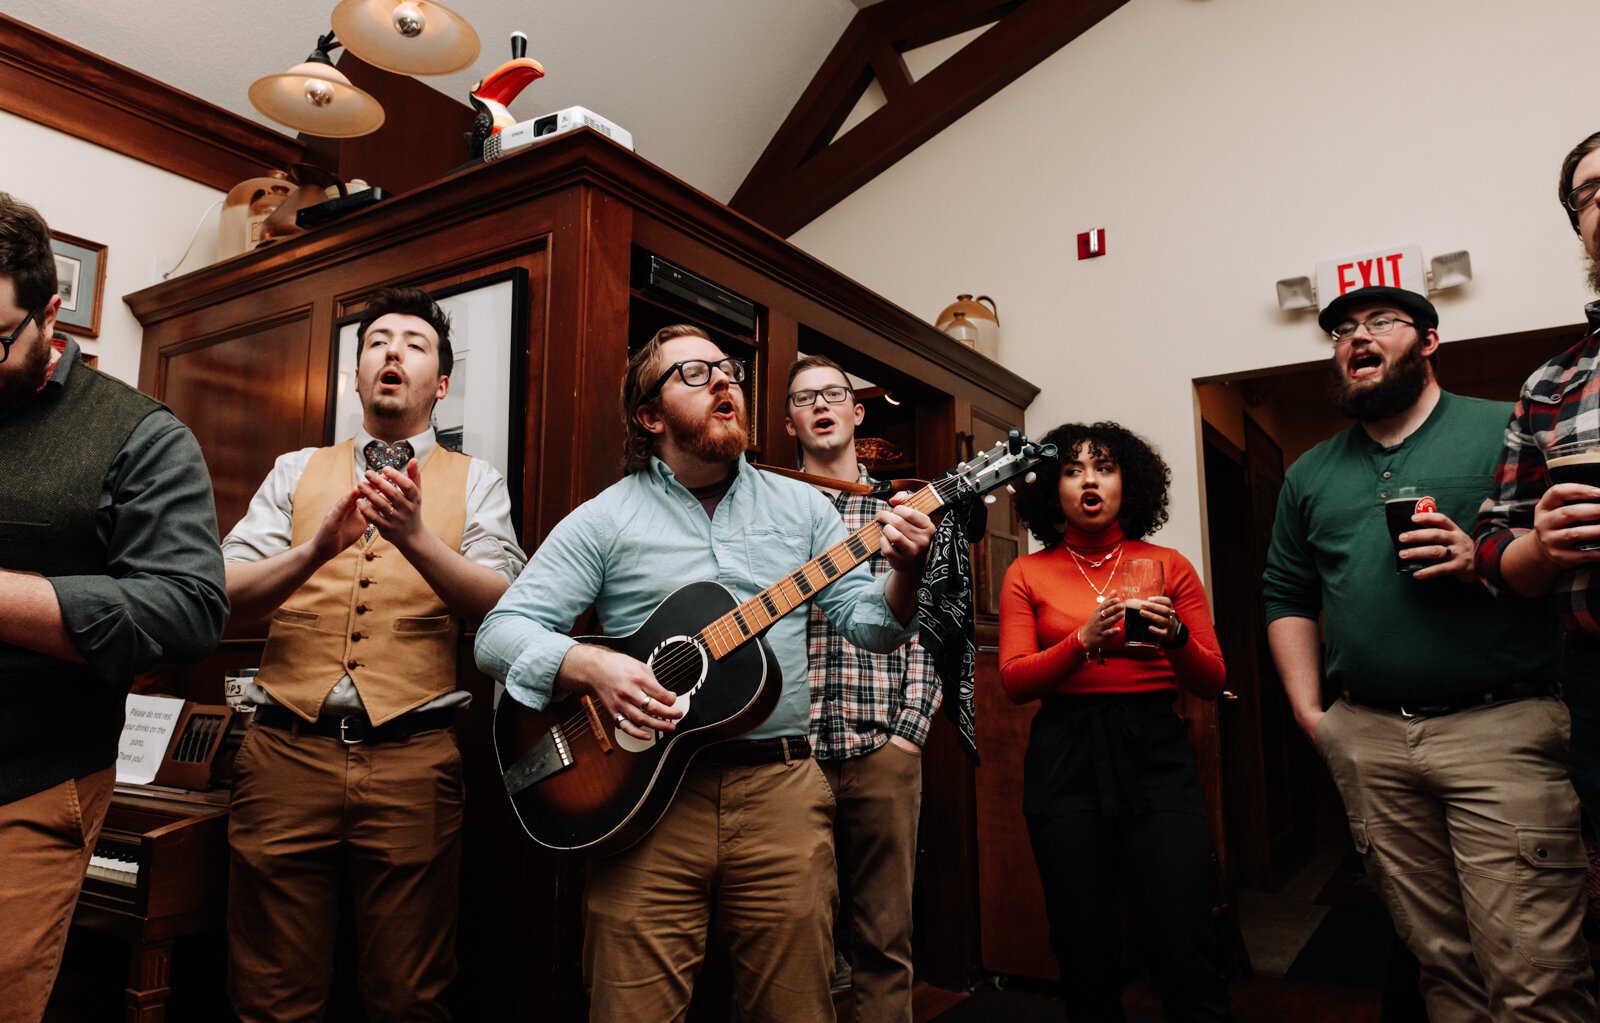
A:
{"x": 859, "y": 698}
{"x": 1560, "y": 402}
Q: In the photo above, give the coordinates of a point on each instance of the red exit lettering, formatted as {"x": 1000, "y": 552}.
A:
{"x": 1372, "y": 272}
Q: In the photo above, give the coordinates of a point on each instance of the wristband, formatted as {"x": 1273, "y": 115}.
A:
{"x": 1180, "y": 636}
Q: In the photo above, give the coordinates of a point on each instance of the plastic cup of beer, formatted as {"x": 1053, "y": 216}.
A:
{"x": 1576, "y": 461}
{"x": 1142, "y": 578}
{"x": 1397, "y": 512}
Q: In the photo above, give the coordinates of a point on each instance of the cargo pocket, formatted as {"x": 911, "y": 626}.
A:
{"x": 1388, "y": 892}
{"x": 1551, "y": 869}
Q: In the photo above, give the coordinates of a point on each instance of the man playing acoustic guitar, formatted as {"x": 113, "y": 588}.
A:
{"x": 745, "y": 851}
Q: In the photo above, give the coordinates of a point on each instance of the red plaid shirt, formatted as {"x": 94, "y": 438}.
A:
{"x": 859, "y": 698}
{"x": 1560, "y": 402}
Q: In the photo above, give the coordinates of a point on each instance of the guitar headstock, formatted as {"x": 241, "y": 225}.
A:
{"x": 1014, "y": 457}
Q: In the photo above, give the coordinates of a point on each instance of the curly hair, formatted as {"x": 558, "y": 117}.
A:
{"x": 1145, "y": 481}
{"x": 25, "y": 254}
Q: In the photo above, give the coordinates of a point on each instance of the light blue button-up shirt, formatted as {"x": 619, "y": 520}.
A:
{"x": 644, "y": 537}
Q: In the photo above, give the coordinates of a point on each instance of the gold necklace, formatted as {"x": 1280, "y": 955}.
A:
{"x": 1099, "y": 591}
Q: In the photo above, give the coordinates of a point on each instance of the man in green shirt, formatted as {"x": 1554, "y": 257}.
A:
{"x": 1447, "y": 738}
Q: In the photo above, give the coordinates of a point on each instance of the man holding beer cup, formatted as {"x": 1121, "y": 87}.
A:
{"x": 1540, "y": 534}
{"x": 1446, "y": 737}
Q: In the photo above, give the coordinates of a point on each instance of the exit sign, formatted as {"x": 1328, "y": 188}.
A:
{"x": 1389, "y": 268}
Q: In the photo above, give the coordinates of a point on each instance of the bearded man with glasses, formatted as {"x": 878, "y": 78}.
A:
{"x": 744, "y": 854}
{"x": 108, "y": 565}
{"x": 1446, "y": 735}
{"x": 1536, "y": 538}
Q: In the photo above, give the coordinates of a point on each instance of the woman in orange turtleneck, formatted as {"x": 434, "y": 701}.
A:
{"x": 1113, "y": 805}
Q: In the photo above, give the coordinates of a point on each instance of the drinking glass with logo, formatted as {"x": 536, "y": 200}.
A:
{"x": 1576, "y": 461}
{"x": 1397, "y": 512}
{"x": 1142, "y": 578}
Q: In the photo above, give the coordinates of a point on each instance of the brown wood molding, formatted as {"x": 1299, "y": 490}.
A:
{"x": 587, "y": 158}
{"x": 62, "y": 86}
{"x": 805, "y": 171}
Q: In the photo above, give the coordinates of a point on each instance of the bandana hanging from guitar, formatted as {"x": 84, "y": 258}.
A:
{"x": 944, "y": 610}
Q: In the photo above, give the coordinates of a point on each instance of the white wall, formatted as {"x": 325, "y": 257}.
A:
{"x": 1225, "y": 144}
{"x": 143, "y": 215}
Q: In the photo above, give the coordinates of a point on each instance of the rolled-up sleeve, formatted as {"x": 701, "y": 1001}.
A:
{"x": 523, "y": 640}
{"x": 1519, "y": 482}
{"x": 162, "y": 598}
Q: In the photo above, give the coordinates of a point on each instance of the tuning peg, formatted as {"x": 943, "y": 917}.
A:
{"x": 988, "y": 499}
{"x": 1032, "y": 477}
{"x": 1010, "y": 489}
{"x": 1014, "y": 440}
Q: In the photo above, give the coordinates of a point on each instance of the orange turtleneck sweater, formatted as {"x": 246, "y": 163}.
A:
{"x": 1046, "y": 598}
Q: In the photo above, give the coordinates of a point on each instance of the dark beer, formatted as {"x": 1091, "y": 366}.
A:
{"x": 1397, "y": 511}
{"x": 1584, "y": 468}
{"x": 1135, "y": 626}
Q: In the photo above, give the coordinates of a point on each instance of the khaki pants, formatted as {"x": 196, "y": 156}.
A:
{"x": 880, "y": 798}
{"x": 45, "y": 843}
{"x": 1469, "y": 829}
{"x": 746, "y": 852}
{"x": 309, "y": 813}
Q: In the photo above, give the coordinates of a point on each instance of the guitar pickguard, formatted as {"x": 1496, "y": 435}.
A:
{"x": 698, "y": 669}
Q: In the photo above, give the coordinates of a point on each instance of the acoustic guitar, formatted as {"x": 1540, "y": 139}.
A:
{"x": 577, "y": 781}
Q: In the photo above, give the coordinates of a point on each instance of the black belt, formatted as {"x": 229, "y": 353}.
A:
{"x": 1499, "y": 694}
{"x": 755, "y": 752}
{"x": 354, "y": 728}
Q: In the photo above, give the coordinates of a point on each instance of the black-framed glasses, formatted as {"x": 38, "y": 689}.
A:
{"x": 7, "y": 342}
{"x": 1582, "y": 196}
{"x": 832, "y": 395}
{"x": 1377, "y": 326}
{"x": 697, "y": 373}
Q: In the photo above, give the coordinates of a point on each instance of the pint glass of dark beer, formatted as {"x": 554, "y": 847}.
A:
{"x": 1397, "y": 511}
{"x": 1576, "y": 461}
{"x": 1141, "y": 578}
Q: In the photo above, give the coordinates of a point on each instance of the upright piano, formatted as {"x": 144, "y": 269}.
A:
{"x": 159, "y": 872}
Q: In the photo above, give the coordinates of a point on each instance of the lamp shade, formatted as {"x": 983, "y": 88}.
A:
{"x": 408, "y": 37}
{"x": 317, "y": 99}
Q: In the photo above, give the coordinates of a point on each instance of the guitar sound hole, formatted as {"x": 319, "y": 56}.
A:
{"x": 679, "y": 664}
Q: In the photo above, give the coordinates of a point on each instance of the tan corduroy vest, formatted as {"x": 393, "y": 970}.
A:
{"x": 366, "y": 613}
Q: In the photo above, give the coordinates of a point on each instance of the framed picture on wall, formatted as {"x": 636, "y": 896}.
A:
{"x": 481, "y": 415}
{"x": 81, "y": 283}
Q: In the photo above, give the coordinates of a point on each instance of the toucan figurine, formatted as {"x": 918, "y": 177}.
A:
{"x": 492, "y": 97}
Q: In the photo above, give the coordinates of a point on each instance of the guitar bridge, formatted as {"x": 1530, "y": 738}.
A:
{"x": 548, "y": 756}
{"x": 592, "y": 710}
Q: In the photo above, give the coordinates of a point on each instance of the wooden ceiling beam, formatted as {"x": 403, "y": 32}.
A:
{"x": 805, "y": 170}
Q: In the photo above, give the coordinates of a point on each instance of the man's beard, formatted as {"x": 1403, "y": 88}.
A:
{"x": 21, "y": 384}
{"x": 1399, "y": 389}
{"x": 1594, "y": 275}
{"x": 708, "y": 438}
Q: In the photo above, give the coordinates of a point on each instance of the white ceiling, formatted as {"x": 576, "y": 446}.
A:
{"x": 702, "y": 84}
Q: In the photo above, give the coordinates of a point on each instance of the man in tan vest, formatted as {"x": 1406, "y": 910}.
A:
{"x": 350, "y": 774}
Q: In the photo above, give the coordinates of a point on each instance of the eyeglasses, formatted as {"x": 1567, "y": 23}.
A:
{"x": 1377, "y": 326}
{"x": 832, "y": 395}
{"x": 1583, "y": 196}
{"x": 697, "y": 373}
{"x": 7, "y": 342}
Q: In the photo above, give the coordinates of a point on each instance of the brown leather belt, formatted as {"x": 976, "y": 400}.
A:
{"x": 754, "y": 752}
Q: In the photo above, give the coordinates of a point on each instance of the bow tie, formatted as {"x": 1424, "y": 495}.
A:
{"x": 380, "y": 455}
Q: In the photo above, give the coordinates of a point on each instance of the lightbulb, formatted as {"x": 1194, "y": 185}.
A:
{"x": 409, "y": 20}
{"x": 318, "y": 92}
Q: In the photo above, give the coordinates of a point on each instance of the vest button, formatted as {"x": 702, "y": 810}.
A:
{"x": 356, "y": 637}
{"x": 370, "y": 555}
{"x": 366, "y": 582}
{"x": 361, "y": 609}
{"x": 352, "y": 664}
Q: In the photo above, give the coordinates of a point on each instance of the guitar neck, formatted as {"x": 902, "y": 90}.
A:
{"x": 793, "y": 591}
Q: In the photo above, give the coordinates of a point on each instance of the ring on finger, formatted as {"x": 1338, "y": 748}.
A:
{"x": 622, "y": 719}
{"x": 645, "y": 706}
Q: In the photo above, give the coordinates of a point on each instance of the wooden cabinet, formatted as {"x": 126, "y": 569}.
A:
{"x": 243, "y": 352}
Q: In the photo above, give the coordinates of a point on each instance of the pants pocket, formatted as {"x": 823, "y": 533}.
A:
{"x": 1551, "y": 869}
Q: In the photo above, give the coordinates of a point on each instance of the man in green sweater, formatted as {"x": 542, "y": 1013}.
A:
{"x": 1447, "y": 735}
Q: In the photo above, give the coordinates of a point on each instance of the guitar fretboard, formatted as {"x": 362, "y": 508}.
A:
{"x": 756, "y": 615}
